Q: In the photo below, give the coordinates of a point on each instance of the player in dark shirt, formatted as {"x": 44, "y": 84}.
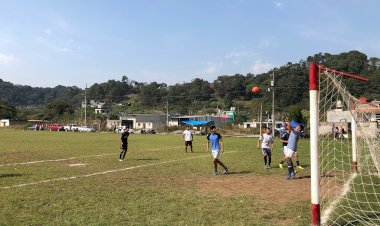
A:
{"x": 124, "y": 144}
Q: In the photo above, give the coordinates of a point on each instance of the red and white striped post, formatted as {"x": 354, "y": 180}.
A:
{"x": 314, "y": 144}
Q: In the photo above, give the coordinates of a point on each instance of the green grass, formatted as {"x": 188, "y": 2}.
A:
{"x": 158, "y": 184}
{"x": 361, "y": 204}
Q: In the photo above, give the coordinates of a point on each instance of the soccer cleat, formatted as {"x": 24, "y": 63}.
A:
{"x": 281, "y": 166}
{"x": 300, "y": 167}
{"x": 225, "y": 170}
{"x": 216, "y": 173}
{"x": 289, "y": 176}
{"x": 120, "y": 160}
{"x": 294, "y": 174}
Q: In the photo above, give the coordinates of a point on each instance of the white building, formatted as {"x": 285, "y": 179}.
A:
{"x": 4, "y": 122}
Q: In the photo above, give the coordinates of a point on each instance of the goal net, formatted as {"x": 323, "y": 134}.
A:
{"x": 345, "y": 152}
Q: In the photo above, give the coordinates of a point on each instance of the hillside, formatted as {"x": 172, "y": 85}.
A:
{"x": 200, "y": 96}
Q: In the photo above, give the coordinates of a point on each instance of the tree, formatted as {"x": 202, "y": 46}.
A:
{"x": 56, "y": 109}
{"x": 295, "y": 113}
{"x": 7, "y": 111}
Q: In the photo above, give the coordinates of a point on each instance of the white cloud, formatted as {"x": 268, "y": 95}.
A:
{"x": 48, "y": 31}
{"x": 240, "y": 56}
{"x": 261, "y": 67}
{"x": 268, "y": 42}
{"x": 6, "y": 59}
{"x": 61, "y": 24}
{"x": 278, "y": 4}
{"x": 212, "y": 68}
{"x": 63, "y": 49}
{"x": 59, "y": 46}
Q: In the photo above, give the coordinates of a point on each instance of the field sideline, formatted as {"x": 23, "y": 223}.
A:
{"x": 55, "y": 178}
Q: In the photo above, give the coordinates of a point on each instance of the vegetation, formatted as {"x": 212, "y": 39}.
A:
{"x": 196, "y": 97}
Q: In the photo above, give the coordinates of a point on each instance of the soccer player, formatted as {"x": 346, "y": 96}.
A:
{"x": 291, "y": 147}
{"x": 188, "y": 137}
{"x": 284, "y": 140}
{"x": 217, "y": 146}
{"x": 124, "y": 143}
{"x": 266, "y": 141}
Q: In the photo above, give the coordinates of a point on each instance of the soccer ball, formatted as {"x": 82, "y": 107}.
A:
{"x": 255, "y": 90}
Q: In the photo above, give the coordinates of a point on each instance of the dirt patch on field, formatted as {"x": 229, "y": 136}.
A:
{"x": 271, "y": 187}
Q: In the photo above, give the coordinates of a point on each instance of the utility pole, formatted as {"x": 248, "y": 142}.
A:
{"x": 261, "y": 117}
{"x": 167, "y": 113}
{"x": 85, "y": 106}
{"x": 273, "y": 121}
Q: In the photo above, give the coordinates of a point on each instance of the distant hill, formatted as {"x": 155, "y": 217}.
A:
{"x": 291, "y": 85}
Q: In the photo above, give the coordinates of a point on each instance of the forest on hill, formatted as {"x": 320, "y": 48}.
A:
{"x": 196, "y": 97}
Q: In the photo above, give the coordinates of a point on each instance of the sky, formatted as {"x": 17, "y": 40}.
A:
{"x": 45, "y": 43}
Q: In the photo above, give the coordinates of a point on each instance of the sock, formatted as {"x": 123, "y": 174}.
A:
{"x": 290, "y": 167}
{"x": 265, "y": 160}
{"x": 282, "y": 161}
{"x": 298, "y": 162}
{"x": 270, "y": 160}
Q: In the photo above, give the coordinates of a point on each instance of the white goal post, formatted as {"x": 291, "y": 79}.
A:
{"x": 344, "y": 152}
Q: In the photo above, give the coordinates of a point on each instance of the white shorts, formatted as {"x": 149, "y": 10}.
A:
{"x": 215, "y": 154}
{"x": 288, "y": 152}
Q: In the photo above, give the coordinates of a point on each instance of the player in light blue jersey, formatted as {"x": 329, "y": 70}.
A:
{"x": 291, "y": 147}
{"x": 217, "y": 146}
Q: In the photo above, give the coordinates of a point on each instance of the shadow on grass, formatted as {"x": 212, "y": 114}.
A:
{"x": 302, "y": 177}
{"x": 146, "y": 159}
{"x": 10, "y": 175}
{"x": 239, "y": 172}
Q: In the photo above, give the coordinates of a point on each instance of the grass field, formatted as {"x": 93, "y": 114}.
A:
{"x": 59, "y": 178}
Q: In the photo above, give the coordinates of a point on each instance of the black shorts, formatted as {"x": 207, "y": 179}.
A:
{"x": 188, "y": 143}
{"x": 124, "y": 146}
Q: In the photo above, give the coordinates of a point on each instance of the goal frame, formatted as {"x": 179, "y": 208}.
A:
{"x": 314, "y": 71}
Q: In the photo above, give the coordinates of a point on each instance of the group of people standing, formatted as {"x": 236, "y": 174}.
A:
{"x": 289, "y": 140}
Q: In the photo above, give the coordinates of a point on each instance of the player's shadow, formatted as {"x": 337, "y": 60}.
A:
{"x": 10, "y": 175}
{"x": 146, "y": 159}
{"x": 302, "y": 177}
{"x": 240, "y": 172}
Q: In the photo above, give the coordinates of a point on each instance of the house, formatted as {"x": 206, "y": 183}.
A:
{"x": 4, "y": 122}
{"x": 343, "y": 118}
{"x": 144, "y": 121}
{"x": 265, "y": 124}
{"x": 230, "y": 115}
{"x": 103, "y": 108}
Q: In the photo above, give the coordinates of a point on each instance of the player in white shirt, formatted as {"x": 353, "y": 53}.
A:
{"x": 188, "y": 137}
{"x": 266, "y": 141}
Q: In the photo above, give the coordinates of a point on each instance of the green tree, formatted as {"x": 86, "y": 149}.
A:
{"x": 7, "y": 111}
{"x": 295, "y": 113}
{"x": 57, "y": 109}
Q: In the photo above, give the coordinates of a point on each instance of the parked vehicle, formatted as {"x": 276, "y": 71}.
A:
{"x": 149, "y": 131}
{"x": 121, "y": 129}
{"x": 86, "y": 129}
{"x": 55, "y": 127}
{"x": 71, "y": 127}
{"x": 35, "y": 127}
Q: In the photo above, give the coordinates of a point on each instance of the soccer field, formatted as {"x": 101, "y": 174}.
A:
{"x": 59, "y": 178}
